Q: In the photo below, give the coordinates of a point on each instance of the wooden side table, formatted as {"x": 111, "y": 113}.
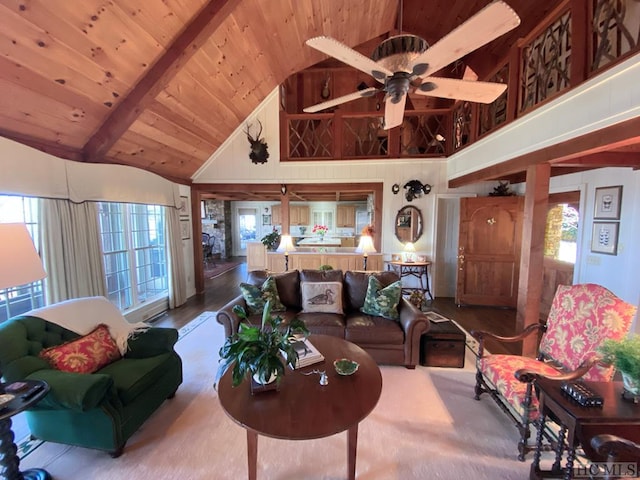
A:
{"x": 578, "y": 425}
{"x": 32, "y": 393}
{"x": 419, "y": 270}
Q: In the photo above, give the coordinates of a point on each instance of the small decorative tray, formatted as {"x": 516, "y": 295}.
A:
{"x": 344, "y": 366}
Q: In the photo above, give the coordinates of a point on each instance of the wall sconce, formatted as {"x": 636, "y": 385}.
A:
{"x": 283, "y": 189}
{"x": 365, "y": 247}
{"x": 409, "y": 252}
{"x": 286, "y": 246}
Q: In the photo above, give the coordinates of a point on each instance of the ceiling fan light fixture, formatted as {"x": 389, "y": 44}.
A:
{"x": 398, "y": 86}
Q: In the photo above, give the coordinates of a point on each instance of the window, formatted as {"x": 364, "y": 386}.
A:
{"x": 17, "y": 300}
{"x": 134, "y": 251}
{"x": 323, "y": 217}
{"x": 561, "y": 233}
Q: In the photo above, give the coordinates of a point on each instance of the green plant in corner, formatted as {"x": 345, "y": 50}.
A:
{"x": 625, "y": 356}
{"x": 260, "y": 351}
{"x": 271, "y": 240}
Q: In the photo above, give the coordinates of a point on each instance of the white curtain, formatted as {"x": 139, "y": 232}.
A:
{"x": 71, "y": 250}
{"x": 177, "y": 276}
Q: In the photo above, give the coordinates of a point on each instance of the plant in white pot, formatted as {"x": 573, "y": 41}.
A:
{"x": 261, "y": 352}
{"x": 624, "y": 355}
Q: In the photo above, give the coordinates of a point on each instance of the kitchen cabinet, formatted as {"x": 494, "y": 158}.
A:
{"x": 276, "y": 215}
{"x": 299, "y": 215}
{"x": 346, "y": 216}
{"x": 256, "y": 256}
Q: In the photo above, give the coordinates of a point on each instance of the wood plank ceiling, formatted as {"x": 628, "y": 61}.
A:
{"x": 160, "y": 84}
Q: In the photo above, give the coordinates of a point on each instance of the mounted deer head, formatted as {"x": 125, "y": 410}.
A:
{"x": 259, "y": 153}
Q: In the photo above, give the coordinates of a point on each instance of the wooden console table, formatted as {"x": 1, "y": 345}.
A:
{"x": 419, "y": 270}
{"x": 578, "y": 425}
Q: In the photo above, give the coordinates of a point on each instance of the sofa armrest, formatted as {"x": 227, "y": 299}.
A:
{"x": 229, "y": 320}
{"x": 414, "y": 323}
{"x": 75, "y": 391}
{"x": 151, "y": 342}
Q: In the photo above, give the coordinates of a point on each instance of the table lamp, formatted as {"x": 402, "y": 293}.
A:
{"x": 409, "y": 252}
{"x": 365, "y": 247}
{"x": 286, "y": 246}
{"x": 19, "y": 261}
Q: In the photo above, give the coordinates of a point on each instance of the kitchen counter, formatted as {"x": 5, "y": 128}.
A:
{"x": 318, "y": 242}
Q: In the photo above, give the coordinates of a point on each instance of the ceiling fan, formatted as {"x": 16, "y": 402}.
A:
{"x": 406, "y": 61}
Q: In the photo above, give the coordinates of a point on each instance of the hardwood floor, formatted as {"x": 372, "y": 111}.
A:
{"x": 222, "y": 289}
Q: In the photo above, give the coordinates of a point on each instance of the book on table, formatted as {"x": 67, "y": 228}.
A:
{"x": 308, "y": 354}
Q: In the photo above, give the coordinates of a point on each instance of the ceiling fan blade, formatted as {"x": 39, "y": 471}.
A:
{"x": 470, "y": 90}
{"x": 367, "y": 92}
{"x": 335, "y": 49}
{"x": 492, "y": 21}
{"x": 393, "y": 112}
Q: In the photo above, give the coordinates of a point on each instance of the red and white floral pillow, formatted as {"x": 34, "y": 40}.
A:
{"x": 85, "y": 354}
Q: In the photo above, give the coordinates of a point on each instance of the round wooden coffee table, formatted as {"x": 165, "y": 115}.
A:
{"x": 303, "y": 409}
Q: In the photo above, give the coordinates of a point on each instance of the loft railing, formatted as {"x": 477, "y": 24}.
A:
{"x": 575, "y": 42}
{"x": 349, "y": 135}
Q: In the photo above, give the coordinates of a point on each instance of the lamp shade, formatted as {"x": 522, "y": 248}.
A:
{"x": 19, "y": 260}
{"x": 286, "y": 244}
{"x": 366, "y": 245}
{"x": 409, "y": 251}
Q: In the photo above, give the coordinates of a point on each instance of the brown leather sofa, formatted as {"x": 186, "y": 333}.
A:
{"x": 387, "y": 341}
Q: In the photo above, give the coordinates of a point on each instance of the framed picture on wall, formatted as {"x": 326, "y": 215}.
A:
{"x": 183, "y": 209}
{"x": 185, "y": 229}
{"x": 604, "y": 238}
{"x": 266, "y": 219}
{"x": 608, "y": 201}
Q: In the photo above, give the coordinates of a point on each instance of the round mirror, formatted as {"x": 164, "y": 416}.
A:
{"x": 409, "y": 224}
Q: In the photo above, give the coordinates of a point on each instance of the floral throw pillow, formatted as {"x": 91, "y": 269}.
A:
{"x": 85, "y": 354}
{"x": 382, "y": 302}
{"x": 256, "y": 297}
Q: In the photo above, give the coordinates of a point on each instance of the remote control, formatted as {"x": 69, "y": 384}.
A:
{"x": 582, "y": 394}
{"x": 32, "y": 393}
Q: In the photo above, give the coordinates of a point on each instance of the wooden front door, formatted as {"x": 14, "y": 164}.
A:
{"x": 489, "y": 251}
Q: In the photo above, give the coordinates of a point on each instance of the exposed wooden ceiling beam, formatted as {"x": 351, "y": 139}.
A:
{"x": 51, "y": 148}
{"x": 602, "y": 159}
{"x": 193, "y": 37}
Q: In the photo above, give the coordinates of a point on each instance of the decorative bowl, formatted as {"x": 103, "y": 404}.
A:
{"x": 344, "y": 366}
{"x": 6, "y": 398}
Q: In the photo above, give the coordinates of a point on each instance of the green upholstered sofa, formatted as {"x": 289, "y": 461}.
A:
{"x": 99, "y": 410}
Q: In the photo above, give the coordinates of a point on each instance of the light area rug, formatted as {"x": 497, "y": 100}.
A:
{"x": 426, "y": 426}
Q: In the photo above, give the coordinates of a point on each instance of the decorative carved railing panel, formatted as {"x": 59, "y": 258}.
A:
{"x": 545, "y": 64}
{"x": 616, "y": 30}
{"x": 310, "y": 137}
{"x": 423, "y": 135}
{"x": 364, "y": 137}
{"x": 494, "y": 114}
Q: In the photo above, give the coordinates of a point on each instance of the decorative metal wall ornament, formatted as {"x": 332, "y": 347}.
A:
{"x": 259, "y": 153}
{"x": 415, "y": 189}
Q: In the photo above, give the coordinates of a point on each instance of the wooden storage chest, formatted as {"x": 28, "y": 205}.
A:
{"x": 443, "y": 346}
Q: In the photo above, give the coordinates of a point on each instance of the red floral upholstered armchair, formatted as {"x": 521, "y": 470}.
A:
{"x": 581, "y": 317}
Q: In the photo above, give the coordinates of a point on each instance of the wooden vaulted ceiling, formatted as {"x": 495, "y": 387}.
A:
{"x": 160, "y": 84}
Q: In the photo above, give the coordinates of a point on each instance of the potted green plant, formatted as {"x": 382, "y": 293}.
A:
{"x": 261, "y": 352}
{"x": 271, "y": 240}
{"x": 624, "y": 355}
